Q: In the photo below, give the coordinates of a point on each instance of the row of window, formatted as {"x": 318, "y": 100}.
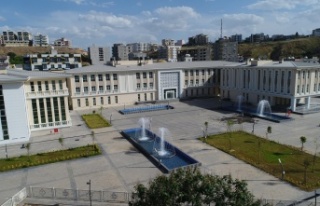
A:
{"x": 186, "y": 73}
{"x": 305, "y": 89}
{"x": 93, "y": 77}
{"x": 197, "y": 82}
{"x": 94, "y": 101}
{"x": 307, "y": 74}
{"x": 93, "y": 88}
{"x": 46, "y": 85}
{"x": 144, "y": 75}
{"x": 145, "y": 85}
{"x": 3, "y": 119}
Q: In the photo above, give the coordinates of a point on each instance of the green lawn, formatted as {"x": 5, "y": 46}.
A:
{"x": 49, "y": 157}
{"x": 265, "y": 154}
{"x": 95, "y": 121}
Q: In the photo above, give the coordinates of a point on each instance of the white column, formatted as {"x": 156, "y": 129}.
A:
{"x": 308, "y": 99}
{"x": 293, "y": 103}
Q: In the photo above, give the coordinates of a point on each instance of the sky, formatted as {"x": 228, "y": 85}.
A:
{"x": 106, "y": 22}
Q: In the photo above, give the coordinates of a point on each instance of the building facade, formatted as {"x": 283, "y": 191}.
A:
{"x": 99, "y": 55}
{"x": 53, "y": 61}
{"x": 62, "y": 42}
{"x": 16, "y": 39}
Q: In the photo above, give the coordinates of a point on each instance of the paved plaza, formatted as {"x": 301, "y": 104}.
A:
{"x": 121, "y": 166}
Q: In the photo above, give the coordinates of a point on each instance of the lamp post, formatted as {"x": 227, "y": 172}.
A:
{"x": 283, "y": 172}
{"x": 254, "y": 123}
{"x": 6, "y": 150}
{"x": 111, "y": 118}
{"x": 90, "y": 200}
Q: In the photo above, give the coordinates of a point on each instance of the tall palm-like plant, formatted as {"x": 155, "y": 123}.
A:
{"x": 303, "y": 140}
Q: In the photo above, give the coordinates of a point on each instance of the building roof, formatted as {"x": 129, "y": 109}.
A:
{"x": 155, "y": 66}
{"x": 36, "y": 74}
{"x": 11, "y": 78}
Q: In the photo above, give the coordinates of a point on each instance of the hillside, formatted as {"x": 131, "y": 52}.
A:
{"x": 21, "y": 51}
{"x": 297, "y": 48}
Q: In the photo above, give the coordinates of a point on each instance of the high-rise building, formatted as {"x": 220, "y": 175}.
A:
{"x": 21, "y": 38}
{"x": 167, "y": 42}
{"x": 139, "y": 47}
{"x": 226, "y": 50}
{"x": 200, "y": 39}
{"x": 316, "y": 32}
{"x": 120, "y": 52}
{"x": 40, "y": 40}
{"x": 99, "y": 55}
{"x": 236, "y": 38}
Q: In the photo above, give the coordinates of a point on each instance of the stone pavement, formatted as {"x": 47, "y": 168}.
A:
{"x": 121, "y": 166}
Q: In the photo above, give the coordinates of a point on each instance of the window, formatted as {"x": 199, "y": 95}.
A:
{"x": 197, "y": 81}
{"x": 79, "y": 102}
{"x": 138, "y": 85}
{"x": 60, "y": 85}
{"x": 209, "y": 72}
{"x": 101, "y": 101}
{"x": 138, "y": 97}
{"x": 34, "y": 111}
{"x": 93, "y": 78}
{"x": 76, "y": 78}
{"x": 186, "y": 82}
{"x": 203, "y": 72}
{"x": 77, "y": 89}
{"x": 151, "y": 96}
{"x": 107, "y": 76}
{"x": 116, "y": 99}
{"x": 87, "y": 102}
{"x": 145, "y": 97}
{"x": 94, "y": 101}
{"x": 144, "y": 75}
{"x": 109, "y": 100}
{"x": 191, "y": 82}
{"x": 115, "y": 87}
{"x": 145, "y": 85}
{"x": 84, "y": 78}
{"x": 53, "y": 82}
{"x": 115, "y": 77}
{"x": 63, "y": 109}
{"x": 150, "y": 75}
{"x": 197, "y": 72}
{"x": 93, "y": 89}
{"x": 39, "y": 86}
{"x": 56, "y": 109}
{"x": 85, "y": 90}
{"x": 151, "y": 85}
{"x": 298, "y": 88}
{"x": 100, "y": 77}
{"x": 186, "y": 73}
{"x": 191, "y": 72}
{"x": 100, "y": 89}
{"x": 108, "y": 88}
{"x": 59, "y": 66}
{"x": 137, "y": 75}
{"x": 32, "y": 86}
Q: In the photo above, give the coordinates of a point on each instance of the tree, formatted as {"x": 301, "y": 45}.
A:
{"x": 269, "y": 131}
{"x": 303, "y": 140}
{"x": 190, "y": 187}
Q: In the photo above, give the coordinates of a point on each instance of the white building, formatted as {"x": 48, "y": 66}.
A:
{"x": 62, "y": 42}
{"x": 99, "y": 55}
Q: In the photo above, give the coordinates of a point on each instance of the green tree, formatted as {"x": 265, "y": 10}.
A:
{"x": 190, "y": 187}
{"x": 303, "y": 140}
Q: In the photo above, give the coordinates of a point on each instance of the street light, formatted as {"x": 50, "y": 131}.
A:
{"x": 111, "y": 118}
{"x": 90, "y": 200}
{"x": 283, "y": 172}
{"x": 254, "y": 123}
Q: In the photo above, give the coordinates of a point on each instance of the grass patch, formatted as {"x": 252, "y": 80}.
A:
{"x": 48, "y": 157}
{"x": 301, "y": 169}
{"x": 95, "y": 121}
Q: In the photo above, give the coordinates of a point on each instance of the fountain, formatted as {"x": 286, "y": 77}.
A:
{"x": 263, "y": 108}
{"x": 161, "y": 148}
{"x": 143, "y": 122}
{"x": 160, "y": 152}
{"x": 240, "y": 100}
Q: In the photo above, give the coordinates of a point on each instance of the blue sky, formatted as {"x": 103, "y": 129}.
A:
{"x": 104, "y": 22}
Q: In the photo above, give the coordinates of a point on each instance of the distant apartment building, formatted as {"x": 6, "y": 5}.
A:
{"x": 139, "y": 47}
{"x": 4, "y": 62}
{"x": 40, "y": 40}
{"x": 256, "y": 38}
{"x": 198, "y": 52}
{"x": 179, "y": 42}
{"x": 200, "y": 39}
{"x": 316, "y": 32}
{"x": 53, "y": 61}
{"x": 236, "y": 38}
{"x": 226, "y": 50}
{"x": 120, "y": 52}
{"x": 15, "y": 39}
{"x": 63, "y": 42}
{"x": 172, "y": 53}
{"x": 1, "y": 40}
{"x": 168, "y": 42}
{"x": 99, "y": 55}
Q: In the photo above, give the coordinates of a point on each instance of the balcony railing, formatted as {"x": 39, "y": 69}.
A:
{"x": 49, "y": 125}
{"x": 95, "y": 92}
{"x": 63, "y": 92}
{"x": 144, "y": 88}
